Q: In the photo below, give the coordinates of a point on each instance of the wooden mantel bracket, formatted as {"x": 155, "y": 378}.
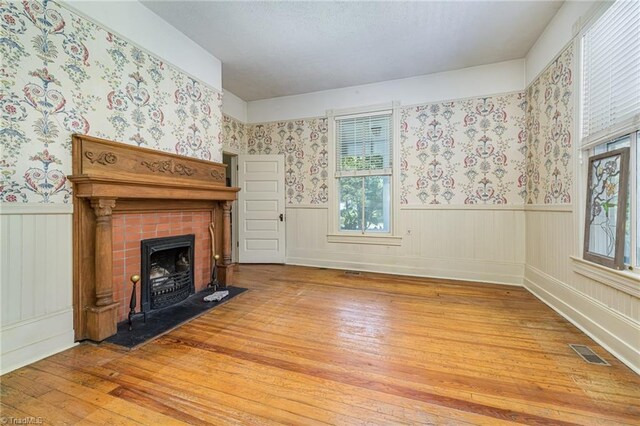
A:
{"x": 109, "y": 177}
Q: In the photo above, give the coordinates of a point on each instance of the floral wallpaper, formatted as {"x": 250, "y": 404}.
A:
{"x": 304, "y": 145}
{"x": 234, "y": 135}
{"x": 464, "y": 152}
{"x": 62, "y": 74}
{"x": 550, "y": 126}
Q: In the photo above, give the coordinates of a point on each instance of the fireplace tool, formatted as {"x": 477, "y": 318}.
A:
{"x": 214, "y": 272}
{"x": 133, "y": 302}
{"x": 216, "y": 295}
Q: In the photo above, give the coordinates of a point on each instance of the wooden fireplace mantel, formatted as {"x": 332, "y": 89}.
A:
{"x": 110, "y": 177}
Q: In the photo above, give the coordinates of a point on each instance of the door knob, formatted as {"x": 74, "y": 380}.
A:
{"x": 281, "y": 217}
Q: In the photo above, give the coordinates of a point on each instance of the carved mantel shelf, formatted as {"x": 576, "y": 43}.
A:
{"x": 110, "y": 177}
{"x": 87, "y": 186}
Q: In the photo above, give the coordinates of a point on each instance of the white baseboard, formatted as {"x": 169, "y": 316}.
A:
{"x": 476, "y": 271}
{"x": 29, "y": 341}
{"x": 608, "y": 328}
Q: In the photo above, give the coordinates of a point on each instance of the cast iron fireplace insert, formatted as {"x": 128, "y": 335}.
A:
{"x": 166, "y": 271}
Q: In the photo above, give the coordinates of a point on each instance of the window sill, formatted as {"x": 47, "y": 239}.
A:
{"x": 625, "y": 281}
{"x": 381, "y": 240}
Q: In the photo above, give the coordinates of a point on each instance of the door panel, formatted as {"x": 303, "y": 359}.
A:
{"x": 261, "y": 202}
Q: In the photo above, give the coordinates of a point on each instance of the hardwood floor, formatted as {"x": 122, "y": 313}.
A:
{"x": 312, "y": 346}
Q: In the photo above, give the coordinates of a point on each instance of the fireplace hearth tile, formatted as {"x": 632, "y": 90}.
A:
{"x": 162, "y": 321}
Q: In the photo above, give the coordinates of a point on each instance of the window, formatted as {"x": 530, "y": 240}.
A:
{"x": 364, "y": 172}
{"x": 601, "y": 235}
{"x": 610, "y": 107}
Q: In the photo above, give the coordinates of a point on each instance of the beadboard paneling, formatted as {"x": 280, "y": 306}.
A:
{"x": 609, "y": 316}
{"x": 36, "y": 282}
{"x": 551, "y": 240}
{"x": 478, "y": 245}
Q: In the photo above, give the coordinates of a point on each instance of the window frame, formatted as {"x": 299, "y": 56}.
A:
{"x": 334, "y": 233}
{"x": 617, "y": 261}
{"x": 633, "y": 197}
{"x": 627, "y": 281}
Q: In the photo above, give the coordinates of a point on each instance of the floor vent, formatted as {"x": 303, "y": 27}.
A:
{"x": 588, "y": 355}
{"x": 351, "y": 272}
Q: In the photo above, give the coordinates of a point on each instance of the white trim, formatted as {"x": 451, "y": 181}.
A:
{"x": 384, "y": 240}
{"x": 473, "y": 272}
{"x": 585, "y": 21}
{"x": 566, "y": 208}
{"x": 306, "y": 206}
{"x": 230, "y": 151}
{"x": 362, "y": 111}
{"x": 626, "y": 127}
{"x": 332, "y": 221}
{"x": 395, "y": 183}
{"x": 50, "y": 346}
{"x": 604, "y": 325}
{"x": 28, "y": 341}
{"x": 579, "y": 166}
{"x": 35, "y": 208}
{"x": 625, "y": 281}
{"x": 371, "y": 113}
{"x": 509, "y": 207}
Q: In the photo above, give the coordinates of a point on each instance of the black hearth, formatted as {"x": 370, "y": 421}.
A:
{"x": 167, "y": 271}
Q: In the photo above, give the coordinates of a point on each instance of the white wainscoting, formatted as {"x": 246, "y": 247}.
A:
{"x": 475, "y": 244}
{"x": 36, "y": 282}
{"x": 609, "y": 316}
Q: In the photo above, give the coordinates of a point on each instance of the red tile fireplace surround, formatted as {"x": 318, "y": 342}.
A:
{"x": 129, "y": 229}
{"x": 124, "y": 194}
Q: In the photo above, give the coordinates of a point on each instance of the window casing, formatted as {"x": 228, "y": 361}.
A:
{"x": 364, "y": 180}
{"x": 609, "y": 106}
{"x": 364, "y": 160}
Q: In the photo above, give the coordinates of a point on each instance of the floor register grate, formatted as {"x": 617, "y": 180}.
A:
{"x": 588, "y": 355}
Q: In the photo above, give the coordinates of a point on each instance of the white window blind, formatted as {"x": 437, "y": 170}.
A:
{"x": 364, "y": 145}
{"x": 611, "y": 71}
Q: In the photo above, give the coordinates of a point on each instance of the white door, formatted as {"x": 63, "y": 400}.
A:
{"x": 261, "y": 208}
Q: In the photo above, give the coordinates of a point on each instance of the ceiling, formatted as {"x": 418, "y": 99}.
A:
{"x": 271, "y": 49}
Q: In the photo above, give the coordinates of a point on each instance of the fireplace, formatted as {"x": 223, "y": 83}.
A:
{"x": 111, "y": 178}
{"x": 167, "y": 267}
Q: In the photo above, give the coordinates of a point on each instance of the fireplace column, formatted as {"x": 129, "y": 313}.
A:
{"x": 102, "y": 317}
{"x": 226, "y": 269}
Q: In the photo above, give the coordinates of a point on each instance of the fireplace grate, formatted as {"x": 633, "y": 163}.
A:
{"x": 170, "y": 289}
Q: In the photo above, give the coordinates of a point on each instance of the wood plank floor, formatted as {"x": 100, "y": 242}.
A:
{"x": 311, "y": 346}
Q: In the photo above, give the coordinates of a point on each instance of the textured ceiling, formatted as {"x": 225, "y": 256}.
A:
{"x": 271, "y": 49}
